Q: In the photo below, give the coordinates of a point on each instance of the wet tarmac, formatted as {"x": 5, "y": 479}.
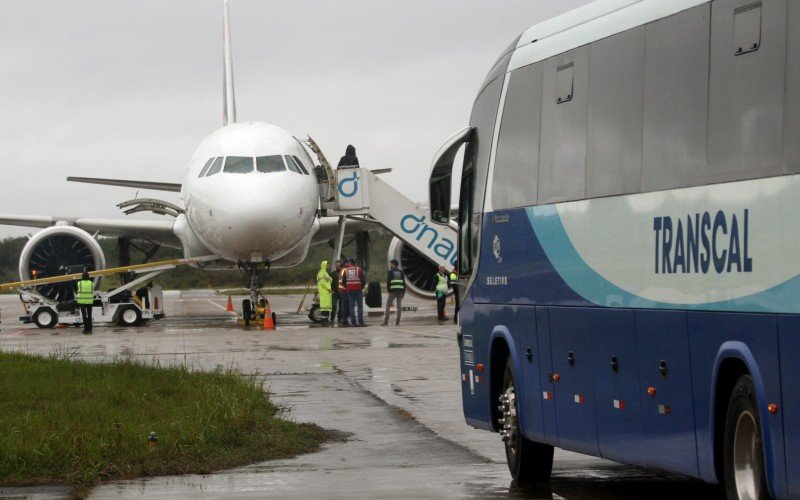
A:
{"x": 390, "y": 396}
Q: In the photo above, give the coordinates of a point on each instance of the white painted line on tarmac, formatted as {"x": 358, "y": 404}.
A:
{"x": 224, "y": 308}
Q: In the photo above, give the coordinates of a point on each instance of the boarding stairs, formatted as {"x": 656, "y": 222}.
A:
{"x": 360, "y": 193}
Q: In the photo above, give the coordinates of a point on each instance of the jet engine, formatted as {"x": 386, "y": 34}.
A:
{"x": 60, "y": 250}
{"x": 420, "y": 272}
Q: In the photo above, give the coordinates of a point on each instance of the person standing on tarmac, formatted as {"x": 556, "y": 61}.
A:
{"x": 442, "y": 285}
{"x": 354, "y": 279}
{"x": 344, "y": 304}
{"x": 396, "y": 285}
{"x": 85, "y": 300}
{"x": 454, "y": 287}
{"x": 336, "y": 312}
{"x": 324, "y": 289}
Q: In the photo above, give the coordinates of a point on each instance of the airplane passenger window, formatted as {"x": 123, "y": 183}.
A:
{"x": 292, "y": 165}
{"x": 205, "y": 169}
{"x": 238, "y": 165}
{"x": 267, "y": 164}
{"x": 299, "y": 164}
{"x": 215, "y": 167}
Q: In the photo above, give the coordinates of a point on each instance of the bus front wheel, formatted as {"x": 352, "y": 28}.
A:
{"x": 745, "y": 478}
{"x": 528, "y": 461}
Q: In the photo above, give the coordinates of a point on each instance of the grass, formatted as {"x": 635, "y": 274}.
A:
{"x": 80, "y": 423}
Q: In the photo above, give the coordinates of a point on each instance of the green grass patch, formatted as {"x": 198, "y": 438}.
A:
{"x": 80, "y": 423}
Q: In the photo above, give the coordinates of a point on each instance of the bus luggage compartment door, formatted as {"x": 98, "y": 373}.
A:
{"x": 571, "y": 331}
{"x": 666, "y": 389}
{"x": 616, "y": 383}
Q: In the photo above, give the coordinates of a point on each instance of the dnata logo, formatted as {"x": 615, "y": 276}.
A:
{"x": 442, "y": 246}
{"x": 348, "y": 192}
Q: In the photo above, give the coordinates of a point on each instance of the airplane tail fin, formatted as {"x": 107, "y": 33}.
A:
{"x": 229, "y": 101}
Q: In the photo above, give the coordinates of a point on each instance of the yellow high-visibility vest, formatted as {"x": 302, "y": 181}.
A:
{"x": 85, "y": 294}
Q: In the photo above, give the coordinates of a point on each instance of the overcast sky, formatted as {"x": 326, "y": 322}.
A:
{"x": 128, "y": 89}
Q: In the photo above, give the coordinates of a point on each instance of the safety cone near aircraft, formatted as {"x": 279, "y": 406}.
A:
{"x": 230, "y": 304}
{"x": 268, "y": 324}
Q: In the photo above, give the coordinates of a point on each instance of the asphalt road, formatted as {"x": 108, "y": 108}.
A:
{"x": 390, "y": 394}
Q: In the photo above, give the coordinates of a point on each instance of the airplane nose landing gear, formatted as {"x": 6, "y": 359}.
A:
{"x": 252, "y": 274}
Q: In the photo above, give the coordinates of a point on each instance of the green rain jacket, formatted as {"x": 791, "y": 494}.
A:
{"x": 324, "y": 281}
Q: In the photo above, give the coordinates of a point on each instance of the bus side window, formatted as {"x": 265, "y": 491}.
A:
{"x": 516, "y": 164}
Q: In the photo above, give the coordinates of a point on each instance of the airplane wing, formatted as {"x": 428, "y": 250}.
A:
{"x": 157, "y": 186}
{"x": 156, "y": 231}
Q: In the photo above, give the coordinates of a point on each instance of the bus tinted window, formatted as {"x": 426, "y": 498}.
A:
{"x": 562, "y": 163}
{"x": 516, "y": 165}
{"x": 676, "y": 129}
{"x": 746, "y": 106}
{"x": 267, "y": 164}
{"x": 616, "y": 85}
{"x": 215, "y": 167}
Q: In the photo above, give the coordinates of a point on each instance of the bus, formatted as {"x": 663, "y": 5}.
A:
{"x": 629, "y": 226}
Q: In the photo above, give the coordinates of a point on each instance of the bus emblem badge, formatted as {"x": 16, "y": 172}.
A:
{"x": 496, "y": 248}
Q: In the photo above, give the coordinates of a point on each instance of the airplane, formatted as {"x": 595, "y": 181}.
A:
{"x": 251, "y": 197}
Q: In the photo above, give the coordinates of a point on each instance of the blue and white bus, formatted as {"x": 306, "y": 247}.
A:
{"x": 629, "y": 242}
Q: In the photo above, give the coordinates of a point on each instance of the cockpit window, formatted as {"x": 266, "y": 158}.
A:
{"x": 292, "y": 165}
{"x": 268, "y": 164}
{"x": 238, "y": 165}
{"x": 215, "y": 167}
{"x": 205, "y": 169}
{"x": 299, "y": 164}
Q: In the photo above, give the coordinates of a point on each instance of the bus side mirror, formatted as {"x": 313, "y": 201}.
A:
{"x": 441, "y": 178}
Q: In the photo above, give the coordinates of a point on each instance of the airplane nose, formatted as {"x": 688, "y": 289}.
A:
{"x": 258, "y": 217}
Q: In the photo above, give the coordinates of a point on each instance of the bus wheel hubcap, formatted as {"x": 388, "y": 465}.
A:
{"x": 508, "y": 418}
{"x": 747, "y": 458}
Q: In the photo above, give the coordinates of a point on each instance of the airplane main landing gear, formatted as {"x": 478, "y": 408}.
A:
{"x": 252, "y": 274}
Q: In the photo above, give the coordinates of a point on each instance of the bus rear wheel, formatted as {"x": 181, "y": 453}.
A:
{"x": 528, "y": 461}
{"x": 745, "y": 478}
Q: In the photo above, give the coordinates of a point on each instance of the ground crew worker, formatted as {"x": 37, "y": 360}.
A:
{"x": 354, "y": 279}
{"x": 442, "y": 285}
{"x": 454, "y": 287}
{"x": 324, "y": 289}
{"x": 344, "y": 305}
{"x": 349, "y": 160}
{"x": 336, "y": 312}
{"x": 396, "y": 285}
{"x": 85, "y": 300}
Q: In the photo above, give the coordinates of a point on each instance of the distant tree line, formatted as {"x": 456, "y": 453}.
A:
{"x": 184, "y": 278}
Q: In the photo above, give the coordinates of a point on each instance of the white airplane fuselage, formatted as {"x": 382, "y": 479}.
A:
{"x": 251, "y": 214}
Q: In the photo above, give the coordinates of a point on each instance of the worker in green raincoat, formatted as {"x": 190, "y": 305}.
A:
{"x": 324, "y": 282}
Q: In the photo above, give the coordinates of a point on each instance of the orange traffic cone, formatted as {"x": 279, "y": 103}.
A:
{"x": 230, "y": 304}
{"x": 268, "y": 324}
